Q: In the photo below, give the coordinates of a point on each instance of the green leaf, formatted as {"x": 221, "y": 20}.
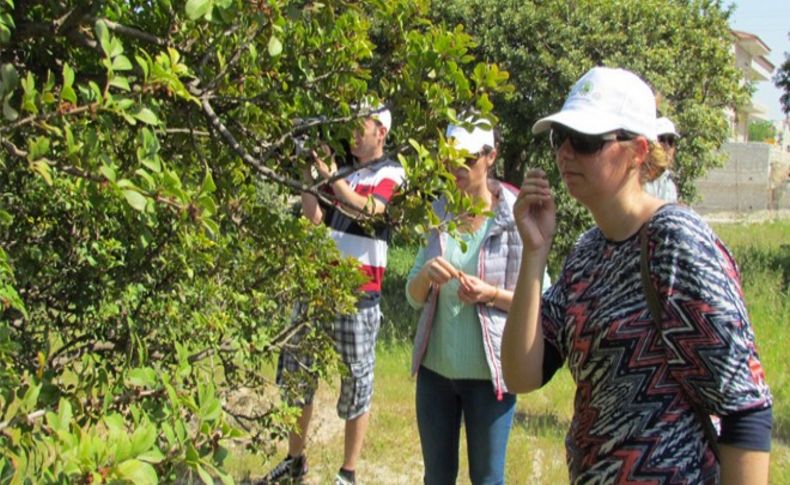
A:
{"x": 145, "y": 376}
{"x": 198, "y": 8}
{"x": 68, "y": 94}
{"x": 171, "y": 393}
{"x": 151, "y": 456}
{"x": 143, "y": 439}
{"x": 121, "y": 63}
{"x": 43, "y": 169}
{"x": 135, "y": 199}
{"x": 37, "y": 147}
{"x": 103, "y": 33}
{"x": 149, "y": 181}
{"x": 29, "y": 99}
{"x": 8, "y": 77}
{"x": 6, "y": 22}
{"x": 8, "y": 112}
{"x": 153, "y": 163}
{"x": 114, "y": 423}
{"x": 147, "y": 116}
{"x": 208, "y": 184}
{"x": 275, "y": 46}
{"x": 67, "y": 91}
{"x": 126, "y": 184}
{"x": 211, "y": 225}
{"x": 120, "y": 82}
{"x": 68, "y": 75}
{"x": 108, "y": 172}
{"x": 116, "y": 48}
{"x": 210, "y": 409}
{"x": 123, "y": 103}
{"x": 5, "y": 220}
{"x": 128, "y": 118}
{"x": 143, "y": 63}
{"x": 204, "y": 475}
{"x": 31, "y": 397}
{"x": 192, "y": 456}
{"x": 207, "y": 205}
{"x": 64, "y": 412}
{"x": 137, "y": 472}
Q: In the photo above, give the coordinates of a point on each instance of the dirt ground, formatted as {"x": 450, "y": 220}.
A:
{"x": 326, "y": 429}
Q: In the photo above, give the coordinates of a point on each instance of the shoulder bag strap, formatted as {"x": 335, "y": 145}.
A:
{"x": 654, "y": 305}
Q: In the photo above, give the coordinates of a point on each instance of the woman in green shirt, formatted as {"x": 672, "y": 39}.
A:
{"x": 465, "y": 296}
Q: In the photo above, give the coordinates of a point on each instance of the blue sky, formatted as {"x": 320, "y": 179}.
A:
{"x": 770, "y": 21}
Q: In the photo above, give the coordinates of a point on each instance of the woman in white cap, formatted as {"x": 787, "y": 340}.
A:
{"x": 663, "y": 186}
{"x": 465, "y": 295}
{"x": 644, "y": 386}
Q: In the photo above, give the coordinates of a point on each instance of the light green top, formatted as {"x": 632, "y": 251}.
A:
{"x": 455, "y": 349}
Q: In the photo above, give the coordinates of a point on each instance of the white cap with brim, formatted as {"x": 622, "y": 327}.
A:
{"x": 380, "y": 113}
{"x": 606, "y": 100}
{"x": 664, "y": 126}
{"x": 383, "y": 116}
{"x": 472, "y": 141}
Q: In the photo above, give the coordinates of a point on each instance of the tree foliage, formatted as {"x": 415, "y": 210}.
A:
{"x": 682, "y": 48}
{"x": 149, "y": 259}
{"x": 782, "y": 81}
{"x": 761, "y": 131}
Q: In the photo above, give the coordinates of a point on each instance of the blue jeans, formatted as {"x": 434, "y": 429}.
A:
{"x": 440, "y": 404}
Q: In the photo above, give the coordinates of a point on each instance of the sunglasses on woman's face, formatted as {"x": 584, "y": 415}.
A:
{"x": 584, "y": 144}
{"x": 668, "y": 140}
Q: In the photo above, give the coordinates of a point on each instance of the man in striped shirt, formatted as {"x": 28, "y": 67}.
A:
{"x": 364, "y": 192}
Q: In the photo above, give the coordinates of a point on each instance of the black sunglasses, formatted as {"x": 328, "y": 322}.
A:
{"x": 584, "y": 144}
{"x": 471, "y": 159}
{"x": 668, "y": 140}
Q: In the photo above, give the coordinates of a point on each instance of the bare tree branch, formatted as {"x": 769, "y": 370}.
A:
{"x": 47, "y": 116}
{"x": 132, "y": 32}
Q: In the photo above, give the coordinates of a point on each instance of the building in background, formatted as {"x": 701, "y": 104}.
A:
{"x": 755, "y": 176}
{"x": 750, "y": 56}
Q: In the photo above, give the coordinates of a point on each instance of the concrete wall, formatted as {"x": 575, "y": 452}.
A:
{"x": 756, "y": 177}
{"x": 779, "y": 180}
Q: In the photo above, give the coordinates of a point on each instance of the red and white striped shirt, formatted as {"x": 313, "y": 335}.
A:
{"x": 367, "y": 244}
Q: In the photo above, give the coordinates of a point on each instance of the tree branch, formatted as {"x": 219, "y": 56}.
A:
{"x": 48, "y": 116}
{"x": 235, "y": 58}
{"x": 132, "y": 32}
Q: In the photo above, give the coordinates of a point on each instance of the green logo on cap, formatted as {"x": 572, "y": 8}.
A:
{"x": 585, "y": 88}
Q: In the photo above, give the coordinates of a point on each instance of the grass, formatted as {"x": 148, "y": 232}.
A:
{"x": 536, "y": 452}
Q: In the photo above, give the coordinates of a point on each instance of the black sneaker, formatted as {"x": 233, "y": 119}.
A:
{"x": 343, "y": 480}
{"x": 289, "y": 471}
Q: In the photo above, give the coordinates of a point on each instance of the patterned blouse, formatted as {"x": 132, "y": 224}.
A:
{"x": 632, "y": 420}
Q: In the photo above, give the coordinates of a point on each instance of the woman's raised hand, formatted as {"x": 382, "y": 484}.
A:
{"x": 535, "y": 212}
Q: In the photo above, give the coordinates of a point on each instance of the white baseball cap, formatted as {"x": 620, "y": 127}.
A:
{"x": 605, "y": 100}
{"x": 471, "y": 141}
{"x": 383, "y": 116}
{"x": 380, "y": 113}
{"x": 664, "y": 126}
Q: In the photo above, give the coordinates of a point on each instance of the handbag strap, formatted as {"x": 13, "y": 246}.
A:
{"x": 654, "y": 305}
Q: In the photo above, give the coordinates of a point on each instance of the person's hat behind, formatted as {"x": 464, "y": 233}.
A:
{"x": 606, "y": 100}
{"x": 471, "y": 141}
{"x": 664, "y": 126}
